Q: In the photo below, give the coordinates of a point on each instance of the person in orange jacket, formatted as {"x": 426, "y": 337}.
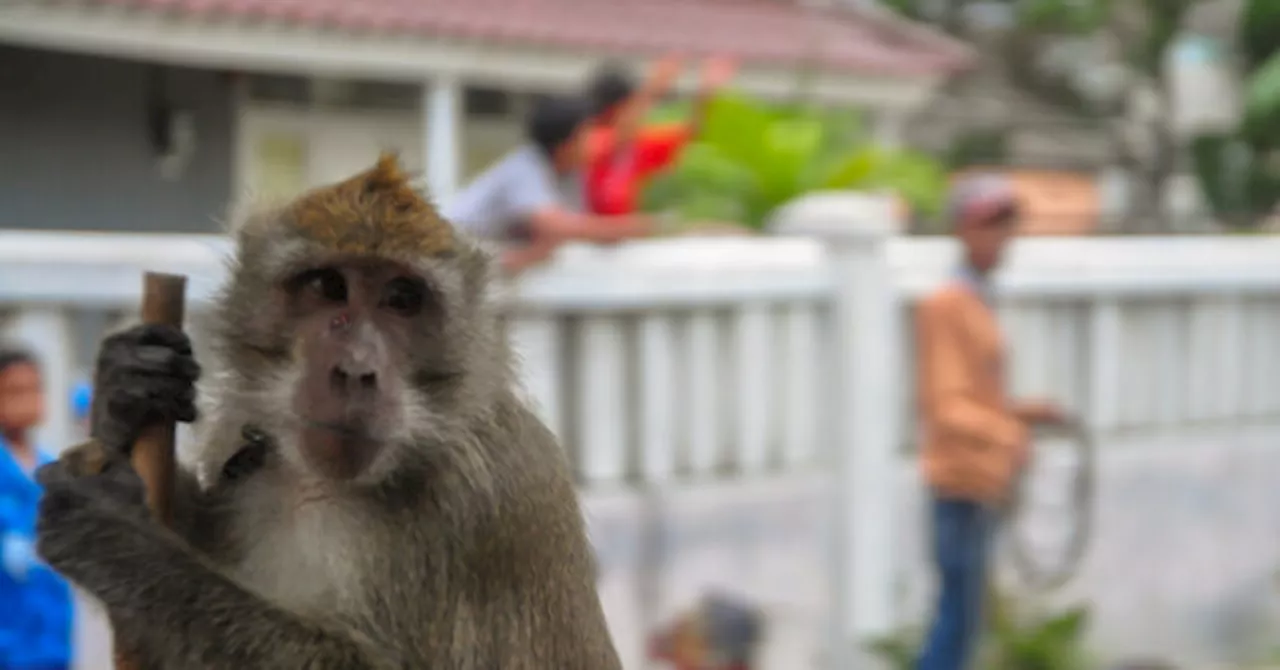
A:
{"x": 976, "y": 438}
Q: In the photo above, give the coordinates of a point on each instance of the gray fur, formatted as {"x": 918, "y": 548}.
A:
{"x": 463, "y": 548}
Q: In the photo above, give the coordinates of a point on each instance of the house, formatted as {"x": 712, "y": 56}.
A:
{"x": 152, "y": 115}
{"x": 1054, "y": 201}
{"x": 1065, "y": 118}
{"x": 1057, "y": 154}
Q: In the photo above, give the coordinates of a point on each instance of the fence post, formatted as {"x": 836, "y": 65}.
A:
{"x": 862, "y": 413}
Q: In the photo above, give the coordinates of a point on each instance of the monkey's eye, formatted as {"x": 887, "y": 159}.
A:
{"x": 404, "y": 295}
{"x": 326, "y": 283}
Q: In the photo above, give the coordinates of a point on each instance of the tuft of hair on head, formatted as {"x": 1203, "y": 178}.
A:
{"x": 387, "y": 175}
{"x": 378, "y": 211}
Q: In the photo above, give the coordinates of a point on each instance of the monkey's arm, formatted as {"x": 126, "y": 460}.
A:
{"x": 165, "y": 598}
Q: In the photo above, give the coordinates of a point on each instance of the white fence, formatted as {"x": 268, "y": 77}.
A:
{"x": 758, "y": 392}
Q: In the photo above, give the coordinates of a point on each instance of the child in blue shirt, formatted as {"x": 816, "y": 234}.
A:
{"x": 36, "y": 624}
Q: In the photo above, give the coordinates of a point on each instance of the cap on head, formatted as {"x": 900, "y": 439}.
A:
{"x": 978, "y": 198}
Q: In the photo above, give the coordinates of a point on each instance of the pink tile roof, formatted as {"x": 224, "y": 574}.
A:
{"x": 764, "y": 31}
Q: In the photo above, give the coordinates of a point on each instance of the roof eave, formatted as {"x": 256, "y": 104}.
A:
{"x": 242, "y": 46}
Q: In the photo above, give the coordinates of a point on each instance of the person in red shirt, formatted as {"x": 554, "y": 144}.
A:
{"x": 622, "y": 151}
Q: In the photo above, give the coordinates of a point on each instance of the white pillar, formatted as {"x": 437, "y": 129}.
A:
{"x": 442, "y": 136}
{"x": 862, "y": 413}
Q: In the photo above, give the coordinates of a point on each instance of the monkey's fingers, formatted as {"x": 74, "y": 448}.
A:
{"x": 148, "y": 361}
{"x": 147, "y": 401}
{"x": 150, "y": 334}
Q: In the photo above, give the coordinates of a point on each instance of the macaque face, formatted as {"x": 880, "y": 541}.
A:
{"x": 347, "y": 328}
{"x": 353, "y": 323}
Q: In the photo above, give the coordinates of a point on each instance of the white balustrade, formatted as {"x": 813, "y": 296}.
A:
{"x": 704, "y": 362}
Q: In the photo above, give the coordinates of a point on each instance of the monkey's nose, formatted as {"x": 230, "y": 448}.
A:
{"x": 351, "y": 378}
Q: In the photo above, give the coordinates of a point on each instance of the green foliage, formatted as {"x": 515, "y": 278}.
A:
{"x": 1015, "y": 640}
{"x": 1239, "y": 177}
{"x": 750, "y": 158}
{"x": 1208, "y": 156}
{"x": 1062, "y": 16}
{"x": 988, "y": 146}
{"x": 1262, "y": 103}
{"x": 1259, "y": 32}
{"x": 898, "y": 651}
{"x": 1039, "y": 642}
{"x": 1163, "y": 23}
{"x": 908, "y": 8}
{"x": 1256, "y": 184}
{"x": 1240, "y": 183}
{"x": 672, "y": 112}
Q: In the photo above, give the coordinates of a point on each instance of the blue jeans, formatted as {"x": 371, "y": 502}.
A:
{"x": 962, "y": 532}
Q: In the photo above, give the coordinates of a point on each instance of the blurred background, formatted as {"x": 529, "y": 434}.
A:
{"x": 736, "y": 391}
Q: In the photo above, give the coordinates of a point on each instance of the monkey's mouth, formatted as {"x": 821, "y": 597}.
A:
{"x": 340, "y": 450}
{"x": 354, "y": 431}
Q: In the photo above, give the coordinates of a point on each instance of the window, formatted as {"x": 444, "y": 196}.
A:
{"x": 480, "y": 102}
{"x": 279, "y": 165}
{"x": 279, "y": 89}
{"x": 378, "y": 95}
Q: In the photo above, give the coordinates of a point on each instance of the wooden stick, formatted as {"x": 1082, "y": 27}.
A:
{"x": 163, "y": 302}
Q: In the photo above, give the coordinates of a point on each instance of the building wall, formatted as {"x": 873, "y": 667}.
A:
{"x": 1054, "y": 202}
{"x": 298, "y": 133}
{"x": 77, "y": 153}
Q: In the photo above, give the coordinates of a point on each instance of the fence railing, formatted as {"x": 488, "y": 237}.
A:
{"x": 693, "y": 360}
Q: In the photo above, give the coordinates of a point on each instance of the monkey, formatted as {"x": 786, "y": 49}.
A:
{"x": 368, "y": 490}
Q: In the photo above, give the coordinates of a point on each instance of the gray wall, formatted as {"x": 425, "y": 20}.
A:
{"x": 75, "y": 150}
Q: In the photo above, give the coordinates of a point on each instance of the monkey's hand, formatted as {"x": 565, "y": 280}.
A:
{"x": 144, "y": 375}
{"x": 93, "y": 513}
